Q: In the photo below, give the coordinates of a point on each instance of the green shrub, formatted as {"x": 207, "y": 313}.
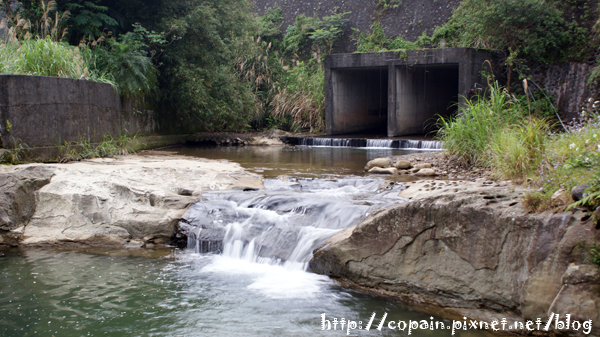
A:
{"x": 319, "y": 34}
{"x": 126, "y": 62}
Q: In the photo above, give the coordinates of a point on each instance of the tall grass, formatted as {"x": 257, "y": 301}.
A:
{"x": 44, "y": 57}
{"x": 303, "y": 97}
{"x": 517, "y": 151}
{"x": 468, "y": 135}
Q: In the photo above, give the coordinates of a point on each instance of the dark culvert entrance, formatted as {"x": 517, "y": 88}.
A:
{"x": 422, "y": 93}
{"x": 360, "y": 100}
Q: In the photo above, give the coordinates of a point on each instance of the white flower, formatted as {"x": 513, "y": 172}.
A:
{"x": 598, "y": 147}
{"x": 595, "y": 135}
{"x": 587, "y": 141}
{"x": 572, "y": 146}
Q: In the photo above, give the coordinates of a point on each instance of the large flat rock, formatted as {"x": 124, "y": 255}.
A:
{"x": 473, "y": 249}
{"x": 129, "y": 200}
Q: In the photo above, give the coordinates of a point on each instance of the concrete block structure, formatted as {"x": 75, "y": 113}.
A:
{"x": 39, "y": 111}
{"x": 399, "y": 93}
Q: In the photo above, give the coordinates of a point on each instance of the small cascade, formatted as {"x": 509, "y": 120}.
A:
{"x": 330, "y": 142}
{"x": 404, "y": 144}
{"x": 384, "y": 143}
{"x": 284, "y": 223}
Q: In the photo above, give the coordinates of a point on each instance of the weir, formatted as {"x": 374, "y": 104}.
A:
{"x": 399, "y": 94}
{"x": 404, "y": 144}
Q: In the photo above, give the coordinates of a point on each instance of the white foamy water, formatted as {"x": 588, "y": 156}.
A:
{"x": 269, "y": 235}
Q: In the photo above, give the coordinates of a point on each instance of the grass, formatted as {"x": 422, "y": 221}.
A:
{"x": 44, "y": 57}
{"x": 303, "y": 98}
{"x": 499, "y": 130}
{"x": 469, "y": 134}
{"x": 84, "y": 149}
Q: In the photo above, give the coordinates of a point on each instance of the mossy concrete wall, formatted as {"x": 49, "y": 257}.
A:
{"x": 409, "y": 19}
{"x": 38, "y": 111}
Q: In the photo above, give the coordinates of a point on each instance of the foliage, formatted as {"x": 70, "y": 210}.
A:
{"x": 302, "y": 100}
{"x": 197, "y": 78}
{"x": 378, "y": 42}
{"x": 388, "y": 4}
{"x": 468, "y": 135}
{"x": 594, "y": 254}
{"x": 318, "y": 34}
{"x": 269, "y": 27}
{"x": 88, "y": 19}
{"x": 42, "y": 58}
{"x": 516, "y": 151}
{"x": 50, "y": 23}
{"x": 125, "y": 60}
{"x": 371, "y": 43}
{"x": 84, "y": 149}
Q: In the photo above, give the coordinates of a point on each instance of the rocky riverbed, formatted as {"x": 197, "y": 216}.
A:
{"x": 128, "y": 201}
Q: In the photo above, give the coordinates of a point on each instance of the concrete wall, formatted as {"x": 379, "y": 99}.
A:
{"x": 409, "y": 20}
{"x": 421, "y": 85}
{"x": 37, "y": 111}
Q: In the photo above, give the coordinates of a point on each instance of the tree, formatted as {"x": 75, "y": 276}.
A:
{"x": 532, "y": 30}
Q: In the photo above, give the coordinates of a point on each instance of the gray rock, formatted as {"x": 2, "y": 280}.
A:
{"x": 379, "y": 170}
{"x": 403, "y": 164}
{"x": 379, "y": 162}
{"x": 480, "y": 255}
{"x": 17, "y": 197}
{"x": 578, "y": 192}
{"x": 426, "y": 172}
{"x": 423, "y": 166}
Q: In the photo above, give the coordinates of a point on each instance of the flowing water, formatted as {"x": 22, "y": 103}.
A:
{"x": 243, "y": 273}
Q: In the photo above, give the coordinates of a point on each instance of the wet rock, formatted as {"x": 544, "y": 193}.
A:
{"x": 403, "y": 164}
{"x": 423, "y": 166}
{"x": 426, "y": 172}
{"x": 378, "y": 162}
{"x": 578, "y": 192}
{"x": 379, "y": 170}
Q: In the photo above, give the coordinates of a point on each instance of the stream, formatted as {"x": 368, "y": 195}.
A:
{"x": 243, "y": 273}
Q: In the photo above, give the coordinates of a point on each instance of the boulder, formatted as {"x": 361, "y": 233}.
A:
{"x": 477, "y": 253}
{"x": 403, "y": 164}
{"x": 110, "y": 202}
{"x": 578, "y": 192}
{"x": 379, "y": 162}
{"x": 379, "y": 170}
{"x": 17, "y": 197}
{"x": 423, "y": 166}
{"x": 426, "y": 172}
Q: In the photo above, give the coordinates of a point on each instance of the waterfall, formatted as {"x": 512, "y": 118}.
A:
{"x": 284, "y": 223}
{"x": 385, "y": 143}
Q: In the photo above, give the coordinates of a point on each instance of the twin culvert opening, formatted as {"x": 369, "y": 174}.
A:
{"x": 381, "y": 95}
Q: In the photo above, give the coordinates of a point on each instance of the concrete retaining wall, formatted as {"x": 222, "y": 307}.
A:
{"x": 37, "y": 111}
{"x": 409, "y": 20}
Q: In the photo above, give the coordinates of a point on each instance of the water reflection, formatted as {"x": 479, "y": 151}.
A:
{"x": 299, "y": 161}
{"x": 72, "y": 293}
